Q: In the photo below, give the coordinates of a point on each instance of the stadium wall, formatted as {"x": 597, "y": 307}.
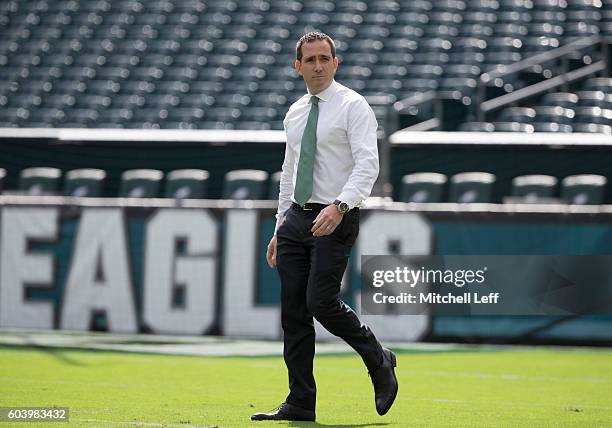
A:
{"x": 125, "y": 265}
{"x": 115, "y": 151}
{"x": 504, "y": 154}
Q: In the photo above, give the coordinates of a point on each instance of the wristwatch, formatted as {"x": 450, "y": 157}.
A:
{"x": 343, "y": 207}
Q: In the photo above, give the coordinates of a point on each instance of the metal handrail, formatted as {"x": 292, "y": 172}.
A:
{"x": 413, "y": 100}
{"x": 541, "y": 58}
{"x": 486, "y": 106}
{"x": 539, "y": 88}
{"x": 405, "y": 104}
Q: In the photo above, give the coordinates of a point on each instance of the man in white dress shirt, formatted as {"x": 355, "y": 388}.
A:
{"x": 330, "y": 166}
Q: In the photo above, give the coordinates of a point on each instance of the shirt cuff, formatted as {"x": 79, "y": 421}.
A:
{"x": 350, "y": 200}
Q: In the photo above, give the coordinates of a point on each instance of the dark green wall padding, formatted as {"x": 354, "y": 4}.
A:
{"x": 16, "y": 155}
{"x": 505, "y": 162}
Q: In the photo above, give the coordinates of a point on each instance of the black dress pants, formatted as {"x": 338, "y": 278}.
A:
{"x": 311, "y": 270}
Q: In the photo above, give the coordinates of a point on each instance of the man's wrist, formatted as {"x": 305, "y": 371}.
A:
{"x": 343, "y": 207}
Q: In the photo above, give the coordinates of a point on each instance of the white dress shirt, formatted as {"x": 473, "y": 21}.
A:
{"x": 346, "y": 156}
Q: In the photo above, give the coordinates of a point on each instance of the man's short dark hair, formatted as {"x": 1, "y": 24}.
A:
{"x": 311, "y": 37}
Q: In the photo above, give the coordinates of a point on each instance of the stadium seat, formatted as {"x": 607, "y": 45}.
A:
{"x": 196, "y": 100}
{"x": 583, "y": 189}
{"x": 28, "y": 101}
{"x": 554, "y": 15}
{"x": 84, "y": 182}
{"x": 545, "y": 29}
{"x": 599, "y": 84}
{"x": 554, "y": 114}
{"x": 60, "y": 101}
{"x": 538, "y": 44}
{"x": 422, "y": 187}
{"x": 92, "y": 101}
{"x": 471, "y": 187}
{"x": 245, "y": 184}
{"x": 592, "y": 128}
{"x": 185, "y": 114}
{"x": 513, "y": 127}
{"x": 510, "y": 29}
{"x": 462, "y": 70}
{"x": 551, "y": 127}
{"x": 2, "y": 175}
{"x": 186, "y": 184}
{"x": 13, "y": 114}
{"x": 39, "y": 180}
{"x": 234, "y": 100}
{"x": 477, "y": 127}
{"x": 517, "y": 114}
{"x": 51, "y": 116}
{"x": 594, "y": 99}
{"x": 140, "y": 183}
{"x": 160, "y": 100}
{"x": 531, "y": 188}
{"x": 595, "y": 115}
{"x": 258, "y": 114}
{"x": 494, "y": 58}
{"x": 462, "y": 86}
{"x": 562, "y": 99}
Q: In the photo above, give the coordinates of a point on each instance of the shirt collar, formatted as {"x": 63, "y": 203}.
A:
{"x": 328, "y": 93}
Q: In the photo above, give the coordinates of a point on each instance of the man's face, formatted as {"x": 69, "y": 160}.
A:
{"x": 317, "y": 66}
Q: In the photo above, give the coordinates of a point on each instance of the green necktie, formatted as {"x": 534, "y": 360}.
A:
{"x": 303, "y": 182}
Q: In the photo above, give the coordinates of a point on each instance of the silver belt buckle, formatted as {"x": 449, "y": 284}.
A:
{"x": 306, "y": 209}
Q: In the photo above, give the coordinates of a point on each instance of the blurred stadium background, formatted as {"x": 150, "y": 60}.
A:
{"x": 140, "y": 142}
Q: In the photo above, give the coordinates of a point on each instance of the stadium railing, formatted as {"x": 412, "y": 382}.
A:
{"x": 563, "y": 54}
{"x": 433, "y": 110}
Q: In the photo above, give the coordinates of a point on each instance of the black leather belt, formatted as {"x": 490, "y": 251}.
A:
{"x": 312, "y": 207}
{"x": 308, "y": 207}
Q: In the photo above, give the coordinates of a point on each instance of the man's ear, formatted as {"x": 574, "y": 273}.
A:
{"x": 336, "y": 62}
{"x": 298, "y": 66}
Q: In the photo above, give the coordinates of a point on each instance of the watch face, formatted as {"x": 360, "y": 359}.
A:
{"x": 343, "y": 207}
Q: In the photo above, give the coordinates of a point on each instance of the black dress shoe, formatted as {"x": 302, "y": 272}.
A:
{"x": 385, "y": 383}
{"x": 285, "y": 412}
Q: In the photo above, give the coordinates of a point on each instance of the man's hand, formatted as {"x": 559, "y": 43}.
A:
{"x": 271, "y": 254}
{"x": 326, "y": 222}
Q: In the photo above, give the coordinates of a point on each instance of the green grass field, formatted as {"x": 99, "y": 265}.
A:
{"x": 522, "y": 387}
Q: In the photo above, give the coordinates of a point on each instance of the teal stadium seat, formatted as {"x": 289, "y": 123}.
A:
{"x": 471, "y": 187}
{"x": 477, "y": 127}
{"x": 140, "y": 183}
{"x": 187, "y": 184}
{"x": 583, "y": 189}
{"x": 39, "y": 180}
{"x": 86, "y": 182}
{"x": 245, "y": 184}
{"x": 533, "y": 188}
{"x": 422, "y": 187}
